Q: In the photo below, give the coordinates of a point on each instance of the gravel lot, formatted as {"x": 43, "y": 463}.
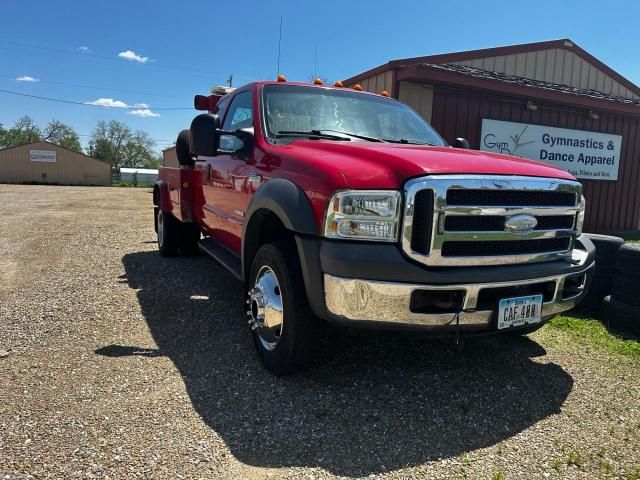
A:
{"x": 122, "y": 364}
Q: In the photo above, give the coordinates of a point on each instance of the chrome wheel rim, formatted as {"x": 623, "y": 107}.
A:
{"x": 160, "y": 229}
{"x": 266, "y": 313}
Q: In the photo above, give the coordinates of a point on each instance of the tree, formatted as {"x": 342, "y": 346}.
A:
{"x": 23, "y": 131}
{"x": 26, "y": 131}
{"x": 63, "y": 135}
{"x": 114, "y": 142}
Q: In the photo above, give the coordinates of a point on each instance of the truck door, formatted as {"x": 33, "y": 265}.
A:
{"x": 226, "y": 193}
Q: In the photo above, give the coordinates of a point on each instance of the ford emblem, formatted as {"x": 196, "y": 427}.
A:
{"x": 522, "y": 223}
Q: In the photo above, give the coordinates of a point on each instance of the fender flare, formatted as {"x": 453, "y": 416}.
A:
{"x": 161, "y": 197}
{"x": 285, "y": 200}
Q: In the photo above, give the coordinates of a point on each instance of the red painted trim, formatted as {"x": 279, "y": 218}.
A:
{"x": 423, "y": 73}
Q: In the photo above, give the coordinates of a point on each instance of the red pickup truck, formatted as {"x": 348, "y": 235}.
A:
{"x": 343, "y": 206}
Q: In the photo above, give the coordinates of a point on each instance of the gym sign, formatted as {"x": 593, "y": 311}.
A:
{"x": 42, "y": 156}
{"x": 589, "y": 155}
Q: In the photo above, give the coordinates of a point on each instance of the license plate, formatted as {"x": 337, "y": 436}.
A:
{"x": 519, "y": 311}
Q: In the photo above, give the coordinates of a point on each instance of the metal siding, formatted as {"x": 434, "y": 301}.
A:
{"x": 611, "y": 205}
{"x": 552, "y": 65}
{"x": 70, "y": 168}
{"x": 170, "y": 157}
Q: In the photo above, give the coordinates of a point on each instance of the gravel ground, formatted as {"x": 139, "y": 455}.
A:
{"x": 122, "y": 364}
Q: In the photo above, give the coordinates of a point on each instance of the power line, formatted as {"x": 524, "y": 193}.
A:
{"x": 73, "y": 102}
{"x": 94, "y": 87}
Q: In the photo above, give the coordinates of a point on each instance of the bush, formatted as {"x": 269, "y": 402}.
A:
{"x": 123, "y": 184}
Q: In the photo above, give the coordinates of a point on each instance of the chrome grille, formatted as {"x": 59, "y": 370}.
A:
{"x": 462, "y": 220}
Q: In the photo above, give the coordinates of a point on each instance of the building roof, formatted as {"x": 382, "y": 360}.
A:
{"x": 461, "y": 69}
{"x": 563, "y": 44}
{"x": 145, "y": 171}
{"x": 45, "y": 142}
{"x": 528, "y": 82}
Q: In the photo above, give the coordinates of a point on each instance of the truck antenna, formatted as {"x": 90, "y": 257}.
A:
{"x": 279, "y": 43}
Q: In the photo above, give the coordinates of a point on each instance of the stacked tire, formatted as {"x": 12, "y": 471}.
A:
{"x": 621, "y": 309}
{"x": 602, "y": 284}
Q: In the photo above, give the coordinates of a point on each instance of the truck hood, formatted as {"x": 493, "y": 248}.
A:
{"x": 387, "y": 165}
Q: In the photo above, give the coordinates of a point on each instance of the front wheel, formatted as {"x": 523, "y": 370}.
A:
{"x": 285, "y": 331}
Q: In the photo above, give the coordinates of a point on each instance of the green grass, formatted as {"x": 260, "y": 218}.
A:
{"x": 591, "y": 332}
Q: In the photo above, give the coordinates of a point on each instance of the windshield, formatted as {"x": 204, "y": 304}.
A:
{"x": 294, "y": 110}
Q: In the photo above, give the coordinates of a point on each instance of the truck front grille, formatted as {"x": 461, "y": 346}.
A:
{"x": 452, "y": 220}
{"x": 489, "y": 223}
{"x": 514, "y": 198}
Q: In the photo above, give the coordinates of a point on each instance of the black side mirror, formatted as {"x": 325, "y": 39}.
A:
{"x": 238, "y": 141}
{"x": 204, "y": 134}
{"x": 461, "y": 142}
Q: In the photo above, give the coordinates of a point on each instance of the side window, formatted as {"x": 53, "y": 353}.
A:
{"x": 240, "y": 113}
{"x": 220, "y": 106}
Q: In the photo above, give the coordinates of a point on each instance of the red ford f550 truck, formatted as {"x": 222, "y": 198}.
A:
{"x": 338, "y": 205}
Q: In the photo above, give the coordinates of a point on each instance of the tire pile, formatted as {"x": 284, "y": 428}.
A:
{"x": 621, "y": 309}
{"x": 602, "y": 283}
{"x": 614, "y": 294}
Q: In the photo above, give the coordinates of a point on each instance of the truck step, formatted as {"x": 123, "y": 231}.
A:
{"x": 225, "y": 257}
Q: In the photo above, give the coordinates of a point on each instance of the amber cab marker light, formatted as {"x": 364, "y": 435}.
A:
{"x": 185, "y": 185}
{"x": 282, "y": 78}
{"x": 317, "y": 81}
{"x": 357, "y": 86}
{"x": 384, "y": 93}
{"x": 338, "y": 84}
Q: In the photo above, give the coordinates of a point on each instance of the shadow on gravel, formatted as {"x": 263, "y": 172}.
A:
{"x": 377, "y": 403}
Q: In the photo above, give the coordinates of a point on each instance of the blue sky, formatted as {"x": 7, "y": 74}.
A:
{"x": 158, "y": 54}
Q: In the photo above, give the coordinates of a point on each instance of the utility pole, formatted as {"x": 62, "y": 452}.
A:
{"x": 230, "y": 81}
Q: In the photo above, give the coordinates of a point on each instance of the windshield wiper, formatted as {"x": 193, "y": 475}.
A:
{"x": 408, "y": 141}
{"x": 310, "y": 133}
{"x": 354, "y": 135}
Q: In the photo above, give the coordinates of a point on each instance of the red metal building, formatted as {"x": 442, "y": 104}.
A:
{"x": 549, "y": 101}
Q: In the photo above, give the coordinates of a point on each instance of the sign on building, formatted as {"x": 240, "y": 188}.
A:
{"x": 42, "y": 156}
{"x": 588, "y": 155}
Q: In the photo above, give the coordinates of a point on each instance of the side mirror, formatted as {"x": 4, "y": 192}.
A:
{"x": 461, "y": 142}
{"x": 235, "y": 142}
{"x": 204, "y": 134}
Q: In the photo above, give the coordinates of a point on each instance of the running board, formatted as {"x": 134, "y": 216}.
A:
{"x": 225, "y": 257}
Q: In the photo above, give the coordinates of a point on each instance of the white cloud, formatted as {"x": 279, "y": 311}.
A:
{"x": 27, "y": 78}
{"x": 143, "y": 112}
{"x": 140, "y": 105}
{"x": 108, "y": 102}
{"x": 85, "y": 49}
{"x": 133, "y": 56}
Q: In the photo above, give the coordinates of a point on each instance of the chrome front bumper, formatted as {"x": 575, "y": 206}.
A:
{"x": 354, "y": 301}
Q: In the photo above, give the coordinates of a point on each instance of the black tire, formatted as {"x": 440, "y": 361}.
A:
{"x": 620, "y": 316}
{"x": 169, "y": 234}
{"x": 189, "y": 238}
{"x": 626, "y": 289}
{"x": 606, "y": 248}
{"x": 300, "y": 334}
{"x": 183, "y": 148}
{"x": 628, "y": 259}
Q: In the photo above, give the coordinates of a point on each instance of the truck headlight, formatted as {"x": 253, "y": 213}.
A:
{"x": 580, "y": 219}
{"x": 363, "y": 215}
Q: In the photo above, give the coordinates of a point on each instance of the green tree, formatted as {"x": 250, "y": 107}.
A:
{"x": 108, "y": 142}
{"x": 63, "y": 135}
{"x": 23, "y": 131}
{"x": 138, "y": 150}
